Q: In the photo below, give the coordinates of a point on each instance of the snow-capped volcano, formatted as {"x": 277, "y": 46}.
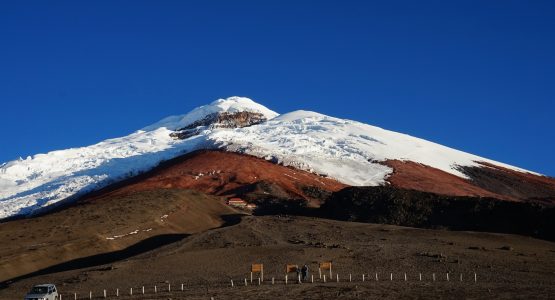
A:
{"x": 348, "y": 151}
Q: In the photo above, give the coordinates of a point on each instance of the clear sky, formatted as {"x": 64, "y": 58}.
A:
{"x": 478, "y": 76}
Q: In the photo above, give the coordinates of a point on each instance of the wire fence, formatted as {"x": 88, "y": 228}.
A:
{"x": 236, "y": 283}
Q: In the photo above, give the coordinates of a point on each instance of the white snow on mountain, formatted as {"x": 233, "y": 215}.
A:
{"x": 45, "y": 179}
{"x": 346, "y": 150}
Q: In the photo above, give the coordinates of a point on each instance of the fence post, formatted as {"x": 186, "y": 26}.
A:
{"x": 405, "y": 276}
{"x": 376, "y": 276}
{"x": 131, "y": 291}
{"x": 434, "y": 276}
{"x": 117, "y": 292}
{"x": 155, "y": 289}
{"x": 324, "y": 277}
{"x": 475, "y": 278}
{"x": 420, "y": 276}
{"x": 447, "y": 276}
{"x": 169, "y": 287}
{"x": 320, "y": 272}
{"x": 104, "y": 294}
{"x": 182, "y": 284}
{"x": 273, "y": 280}
{"x": 251, "y": 277}
{"x": 143, "y": 288}
{"x": 337, "y": 277}
{"x": 90, "y": 294}
{"x": 391, "y": 276}
{"x": 285, "y": 278}
{"x": 350, "y": 279}
{"x": 461, "y": 277}
{"x": 245, "y": 281}
{"x": 74, "y": 296}
{"x": 231, "y": 284}
{"x": 259, "y": 280}
{"x": 312, "y": 278}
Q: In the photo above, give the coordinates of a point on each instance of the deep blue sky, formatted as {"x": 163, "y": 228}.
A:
{"x": 478, "y": 76}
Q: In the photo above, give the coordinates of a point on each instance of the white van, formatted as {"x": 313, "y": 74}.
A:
{"x": 43, "y": 292}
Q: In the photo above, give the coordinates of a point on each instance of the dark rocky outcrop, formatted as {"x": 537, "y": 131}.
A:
{"x": 279, "y": 206}
{"x": 395, "y": 206}
{"x": 316, "y": 193}
{"x": 219, "y": 120}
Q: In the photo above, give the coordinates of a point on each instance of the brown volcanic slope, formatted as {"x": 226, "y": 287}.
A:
{"x": 227, "y": 174}
{"x": 149, "y": 210}
{"x": 143, "y": 220}
{"x": 513, "y": 184}
{"x": 507, "y": 266}
{"x": 486, "y": 181}
{"x": 143, "y": 212}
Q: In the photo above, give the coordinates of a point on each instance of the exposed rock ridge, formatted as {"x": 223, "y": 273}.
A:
{"x": 220, "y": 120}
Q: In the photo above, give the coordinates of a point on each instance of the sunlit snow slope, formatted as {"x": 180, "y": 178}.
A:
{"x": 346, "y": 150}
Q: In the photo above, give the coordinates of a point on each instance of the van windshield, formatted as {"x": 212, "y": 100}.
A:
{"x": 39, "y": 290}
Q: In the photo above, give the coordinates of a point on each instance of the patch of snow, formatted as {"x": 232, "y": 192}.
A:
{"x": 123, "y": 235}
{"x": 211, "y": 173}
{"x": 291, "y": 176}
